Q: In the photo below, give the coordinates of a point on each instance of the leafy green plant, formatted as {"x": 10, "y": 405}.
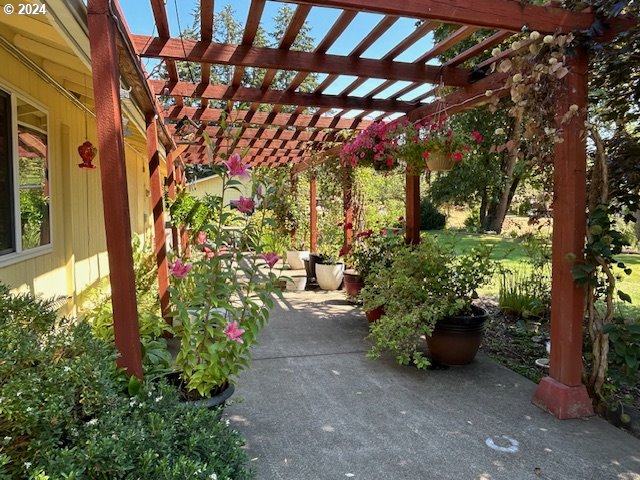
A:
{"x": 624, "y": 353}
{"x": 221, "y": 295}
{"x": 372, "y": 248}
{"x": 64, "y": 412}
{"x": 422, "y": 285}
{"x": 98, "y": 312}
{"x": 524, "y": 294}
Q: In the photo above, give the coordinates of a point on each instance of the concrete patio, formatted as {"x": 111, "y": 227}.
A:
{"x": 314, "y": 407}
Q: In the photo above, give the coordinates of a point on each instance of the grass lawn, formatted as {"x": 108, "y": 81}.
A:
{"x": 513, "y": 256}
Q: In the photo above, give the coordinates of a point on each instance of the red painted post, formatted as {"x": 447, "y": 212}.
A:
{"x": 412, "y": 219}
{"x": 347, "y": 202}
{"x": 113, "y": 174}
{"x": 157, "y": 206}
{"x": 562, "y": 393}
{"x": 313, "y": 220}
{"x": 171, "y": 185}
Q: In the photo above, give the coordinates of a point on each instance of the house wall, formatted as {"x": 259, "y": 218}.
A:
{"x": 77, "y": 258}
{"x": 213, "y": 186}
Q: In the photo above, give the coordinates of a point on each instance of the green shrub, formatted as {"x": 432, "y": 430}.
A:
{"x": 63, "y": 413}
{"x": 430, "y": 217}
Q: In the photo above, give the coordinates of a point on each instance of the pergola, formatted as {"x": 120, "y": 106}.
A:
{"x": 277, "y": 138}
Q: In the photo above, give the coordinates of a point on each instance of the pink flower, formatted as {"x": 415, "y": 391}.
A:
{"x": 235, "y": 167}
{"x": 233, "y": 332}
{"x": 209, "y": 252}
{"x": 244, "y": 204}
{"x": 179, "y": 269}
{"x": 202, "y": 238}
{"x": 457, "y": 157}
{"x": 270, "y": 258}
{"x": 425, "y": 154}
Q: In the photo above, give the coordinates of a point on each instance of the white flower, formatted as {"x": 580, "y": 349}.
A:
{"x": 517, "y": 78}
{"x": 132, "y": 403}
{"x": 213, "y": 476}
{"x": 7, "y": 439}
{"x": 488, "y": 93}
{"x": 495, "y": 52}
{"x": 29, "y": 409}
{"x": 534, "y": 35}
{"x": 158, "y": 399}
{"x": 573, "y": 108}
{"x": 93, "y": 421}
{"x": 67, "y": 369}
{"x": 499, "y": 131}
{"x": 553, "y": 61}
{"x": 27, "y": 464}
{"x": 548, "y": 39}
{"x": 516, "y": 45}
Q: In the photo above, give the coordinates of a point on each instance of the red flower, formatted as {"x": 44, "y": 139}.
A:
{"x": 244, "y": 204}
{"x": 425, "y": 154}
{"x": 389, "y": 162}
{"x": 365, "y": 234}
{"x": 401, "y": 219}
{"x": 395, "y": 230}
{"x": 477, "y": 136}
{"x": 345, "y": 251}
{"x": 457, "y": 157}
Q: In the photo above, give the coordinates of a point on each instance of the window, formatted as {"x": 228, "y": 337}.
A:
{"x": 24, "y": 176}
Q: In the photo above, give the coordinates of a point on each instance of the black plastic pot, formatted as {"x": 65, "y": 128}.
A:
{"x": 216, "y": 400}
{"x": 313, "y": 259}
{"x": 456, "y": 340}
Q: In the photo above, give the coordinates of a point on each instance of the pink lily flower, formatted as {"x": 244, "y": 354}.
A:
{"x": 202, "y": 238}
{"x": 244, "y": 204}
{"x": 270, "y": 258}
{"x": 179, "y": 269}
{"x": 235, "y": 167}
{"x": 233, "y": 332}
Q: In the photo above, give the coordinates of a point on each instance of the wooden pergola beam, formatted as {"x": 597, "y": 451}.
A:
{"x": 281, "y": 120}
{"x": 206, "y": 33}
{"x": 509, "y": 15}
{"x": 278, "y": 97}
{"x": 251, "y": 134}
{"x": 259, "y": 57}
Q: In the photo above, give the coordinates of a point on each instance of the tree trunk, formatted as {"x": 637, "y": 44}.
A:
{"x": 500, "y": 203}
{"x": 483, "y": 207}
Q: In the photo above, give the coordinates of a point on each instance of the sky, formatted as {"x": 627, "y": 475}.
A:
{"x": 139, "y": 17}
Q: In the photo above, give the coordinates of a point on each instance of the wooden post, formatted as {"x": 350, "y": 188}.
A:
{"x": 412, "y": 219}
{"x": 113, "y": 174}
{"x": 313, "y": 218}
{"x": 347, "y": 202}
{"x": 562, "y": 393}
{"x": 171, "y": 186}
{"x": 157, "y": 206}
{"x": 184, "y": 236}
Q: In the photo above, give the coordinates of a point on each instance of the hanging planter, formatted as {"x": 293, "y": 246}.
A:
{"x": 87, "y": 153}
{"x": 440, "y": 162}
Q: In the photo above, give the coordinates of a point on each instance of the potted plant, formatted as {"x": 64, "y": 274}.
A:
{"x": 221, "y": 296}
{"x": 428, "y": 291}
{"x": 432, "y": 144}
{"x": 329, "y": 272}
{"x": 369, "y": 247}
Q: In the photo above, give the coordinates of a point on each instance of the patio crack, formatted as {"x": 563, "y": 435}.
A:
{"x": 310, "y": 355}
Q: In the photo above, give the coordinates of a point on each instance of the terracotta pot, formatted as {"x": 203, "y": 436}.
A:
{"x": 353, "y": 283}
{"x": 375, "y": 314}
{"x": 329, "y": 276}
{"x": 439, "y": 162}
{"x": 295, "y": 258}
{"x": 455, "y": 340}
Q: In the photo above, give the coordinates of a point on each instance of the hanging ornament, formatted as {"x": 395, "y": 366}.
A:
{"x": 87, "y": 152}
{"x": 186, "y": 130}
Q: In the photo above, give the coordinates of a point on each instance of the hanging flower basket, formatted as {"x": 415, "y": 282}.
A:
{"x": 440, "y": 162}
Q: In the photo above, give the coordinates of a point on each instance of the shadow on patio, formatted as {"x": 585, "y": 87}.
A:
{"x": 314, "y": 407}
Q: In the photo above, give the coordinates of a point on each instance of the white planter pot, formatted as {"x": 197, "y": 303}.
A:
{"x": 295, "y": 259}
{"x": 329, "y": 276}
{"x": 297, "y": 284}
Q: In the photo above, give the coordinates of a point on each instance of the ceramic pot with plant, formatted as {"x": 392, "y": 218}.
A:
{"x": 429, "y": 288}
{"x": 221, "y": 297}
{"x": 329, "y": 272}
{"x": 296, "y": 258}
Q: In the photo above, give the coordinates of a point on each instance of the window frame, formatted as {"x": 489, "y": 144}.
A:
{"x": 20, "y": 254}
